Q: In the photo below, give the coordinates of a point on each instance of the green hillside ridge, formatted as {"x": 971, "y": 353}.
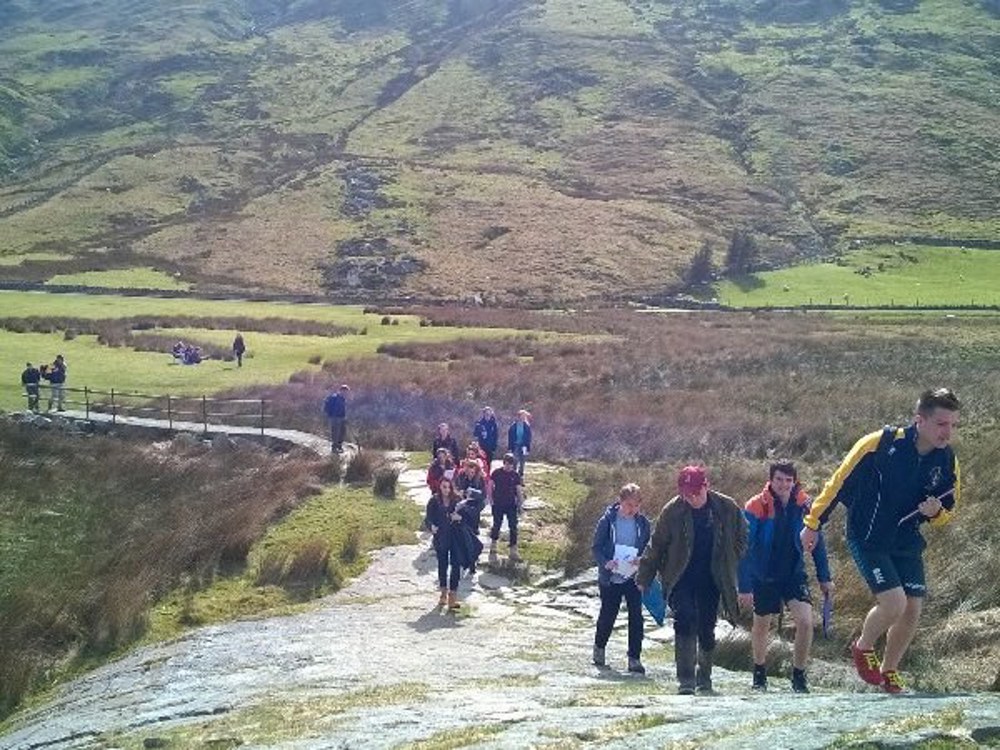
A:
{"x": 387, "y": 147}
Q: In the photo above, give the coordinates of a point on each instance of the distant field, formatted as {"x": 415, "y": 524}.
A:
{"x": 271, "y": 358}
{"x": 903, "y": 274}
{"x": 125, "y": 278}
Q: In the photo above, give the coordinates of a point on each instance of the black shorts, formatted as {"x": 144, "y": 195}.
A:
{"x": 884, "y": 570}
{"x": 769, "y": 597}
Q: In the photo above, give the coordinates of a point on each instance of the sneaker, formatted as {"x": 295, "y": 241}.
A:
{"x": 635, "y": 666}
{"x": 868, "y": 665}
{"x": 599, "y": 660}
{"x": 799, "y": 684}
{"x": 892, "y": 682}
{"x": 759, "y": 678}
{"x": 685, "y": 690}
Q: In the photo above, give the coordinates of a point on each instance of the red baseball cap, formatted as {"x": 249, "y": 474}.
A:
{"x": 692, "y": 478}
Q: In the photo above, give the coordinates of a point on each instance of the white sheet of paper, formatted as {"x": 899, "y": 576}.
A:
{"x": 627, "y": 558}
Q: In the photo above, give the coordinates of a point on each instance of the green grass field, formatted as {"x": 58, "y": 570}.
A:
{"x": 884, "y": 275}
{"x": 125, "y": 278}
{"x": 271, "y": 358}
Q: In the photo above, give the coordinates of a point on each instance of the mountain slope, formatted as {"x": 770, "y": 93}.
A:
{"x": 521, "y": 150}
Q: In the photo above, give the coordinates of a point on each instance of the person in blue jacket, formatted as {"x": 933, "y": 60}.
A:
{"x": 519, "y": 439}
{"x": 487, "y": 433}
{"x": 335, "y": 408}
{"x": 620, "y": 537}
{"x": 772, "y": 574}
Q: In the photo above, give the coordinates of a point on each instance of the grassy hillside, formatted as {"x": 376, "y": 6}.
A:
{"x": 378, "y": 147}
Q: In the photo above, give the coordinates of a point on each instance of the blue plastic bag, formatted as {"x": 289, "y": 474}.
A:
{"x": 652, "y": 599}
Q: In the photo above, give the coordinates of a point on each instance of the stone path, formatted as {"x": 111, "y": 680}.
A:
{"x": 378, "y": 665}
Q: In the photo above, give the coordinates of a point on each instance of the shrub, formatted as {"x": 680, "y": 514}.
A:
{"x": 308, "y": 566}
{"x": 385, "y": 478}
{"x": 271, "y": 568}
{"x": 350, "y": 550}
{"x": 361, "y": 467}
{"x": 315, "y": 359}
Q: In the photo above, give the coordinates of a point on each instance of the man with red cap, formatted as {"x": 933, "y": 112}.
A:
{"x": 699, "y": 539}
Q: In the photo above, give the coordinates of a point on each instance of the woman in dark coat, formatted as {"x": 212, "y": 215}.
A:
{"x": 448, "y": 518}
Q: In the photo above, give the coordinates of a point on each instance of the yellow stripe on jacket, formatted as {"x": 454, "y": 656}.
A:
{"x": 867, "y": 444}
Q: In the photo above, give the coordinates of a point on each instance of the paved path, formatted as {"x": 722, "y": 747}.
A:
{"x": 378, "y": 665}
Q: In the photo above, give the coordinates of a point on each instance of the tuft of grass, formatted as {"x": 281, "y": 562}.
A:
{"x": 384, "y": 480}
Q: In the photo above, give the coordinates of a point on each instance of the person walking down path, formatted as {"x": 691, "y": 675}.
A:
{"x": 519, "y": 439}
{"x": 892, "y": 482}
{"x": 447, "y": 519}
{"x": 506, "y": 498}
{"x": 620, "y": 537}
{"x": 440, "y": 468}
{"x": 31, "y": 377}
{"x": 335, "y": 408}
{"x": 697, "y": 544}
{"x": 56, "y": 375}
{"x": 773, "y": 572}
{"x": 239, "y": 347}
{"x": 444, "y": 439}
{"x": 486, "y": 431}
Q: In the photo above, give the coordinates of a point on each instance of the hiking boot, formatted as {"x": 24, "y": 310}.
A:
{"x": 599, "y": 660}
{"x": 759, "y": 678}
{"x": 685, "y": 690}
{"x": 514, "y": 557}
{"x": 868, "y": 665}
{"x": 493, "y": 552}
{"x": 685, "y": 656}
{"x": 635, "y": 666}
{"x": 443, "y": 599}
{"x": 453, "y": 601}
{"x": 892, "y": 682}
{"x": 703, "y": 674}
{"x": 799, "y": 684}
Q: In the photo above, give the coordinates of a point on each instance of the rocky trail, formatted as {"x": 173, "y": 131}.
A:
{"x": 378, "y": 665}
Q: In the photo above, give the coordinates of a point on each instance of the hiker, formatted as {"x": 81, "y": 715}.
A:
{"x": 445, "y": 517}
{"x": 519, "y": 439}
{"x": 191, "y": 355}
{"x": 506, "y": 499}
{"x": 699, "y": 539}
{"x": 471, "y": 484}
{"x": 441, "y": 468}
{"x": 30, "y": 379}
{"x": 620, "y": 537}
{"x": 239, "y": 347}
{"x": 444, "y": 439}
{"x": 473, "y": 451}
{"x": 892, "y": 481}
{"x": 773, "y": 571}
{"x": 335, "y": 408}
{"x": 177, "y": 350}
{"x": 487, "y": 432}
{"x": 56, "y": 375}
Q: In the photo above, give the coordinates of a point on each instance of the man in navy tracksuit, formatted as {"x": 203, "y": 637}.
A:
{"x": 773, "y": 571}
{"x": 892, "y": 482}
{"x": 335, "y": 408}
{"x": 619, "y": 540}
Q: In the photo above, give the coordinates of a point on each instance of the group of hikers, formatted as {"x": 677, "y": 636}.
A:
{"x": 191, "y": 354}
{"x": 54, "y": 374}
{"x": 462, "y": 485}
{"x": 706, "y": 551}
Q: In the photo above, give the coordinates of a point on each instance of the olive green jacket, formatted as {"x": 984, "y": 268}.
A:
{"x": 669, "y": 551}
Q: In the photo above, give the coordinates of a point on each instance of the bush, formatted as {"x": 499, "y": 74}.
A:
{"x": 308, "y": 566}
{"x": 385, "y": 478}
{"x": 361, "y": 467}
{"x": 350, "y": 551}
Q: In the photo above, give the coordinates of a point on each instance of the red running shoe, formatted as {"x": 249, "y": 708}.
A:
{"x": 868, "y": 666}
{"x": 892, "y": 682}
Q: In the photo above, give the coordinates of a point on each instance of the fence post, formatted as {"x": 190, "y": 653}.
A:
{"x": 114, "y": 409}
{"x": 170, "y": 414}
{"x": 86, "y": 402}
{"x": 262, "y": 417}
{"x": 204, "y": 413}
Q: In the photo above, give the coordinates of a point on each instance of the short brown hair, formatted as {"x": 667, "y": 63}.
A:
{"x": 629, "y": 490}
{"x": 937, "y": 398}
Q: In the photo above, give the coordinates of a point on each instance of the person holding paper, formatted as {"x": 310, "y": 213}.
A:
{"x": 619, "y": 540}
{"x": 891, "y": 482}
{"x": 773, "y": 571}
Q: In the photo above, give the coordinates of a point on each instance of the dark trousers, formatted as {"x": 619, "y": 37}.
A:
{"x": 611, "y": 603}
{"x": 239, "y": 359}
{"x": 446, "y": 579}
{"x": 696, "y": 610}
{"x": 32, "y": 390}
{"x": 498, "y": 515}
{"x": 338, "y": 431}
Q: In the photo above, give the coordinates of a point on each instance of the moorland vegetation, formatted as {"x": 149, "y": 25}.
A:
{"x": 378, "y": 148}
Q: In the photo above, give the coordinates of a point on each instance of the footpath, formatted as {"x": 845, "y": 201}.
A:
{"x": 379, "y": 665}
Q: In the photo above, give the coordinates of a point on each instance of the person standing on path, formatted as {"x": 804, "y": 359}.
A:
{"x": 893, "y": 481}
{"x": 699, "y": 540}
{"x": 30, "y": 379}
{"x": 335, "y": 408}
{"x": 506, "y": 497}
{"x": 56, "y": 375}
{"x": 773, "y": 572}
{"x": 620, "y": 537}
{"x": 519, "y": 439}
{"x": 444, "y": 439}
{"x": 445, "y": 520}
{"x": 486, "y": 431}
{"x": 239, "y": 347}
